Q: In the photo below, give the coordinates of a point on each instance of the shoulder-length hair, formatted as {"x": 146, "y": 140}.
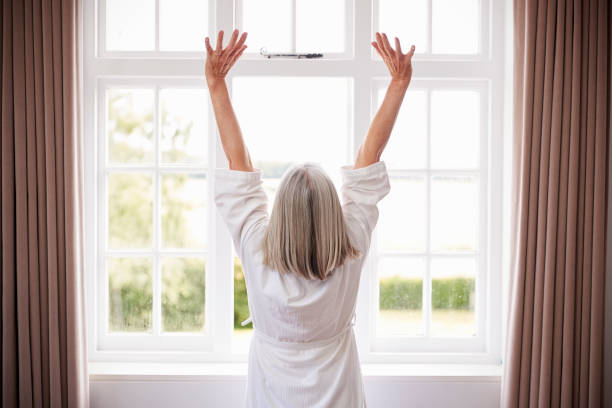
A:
{"x": 306, "y": 233}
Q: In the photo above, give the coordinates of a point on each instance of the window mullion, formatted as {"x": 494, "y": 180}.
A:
{"x": 156, "y": 219}
{"x": 102, "y": 27}
{"x": 293, "y": 25}
{"x": 362, "y": 32}
{"x": 156, "y": 25}
{"x": 102, "y": 287}
{"x": 219, "y": 293}
{"x": 362, "y": 103}
{"x": 427, "y": 284}
{"x": 428, "y": 44}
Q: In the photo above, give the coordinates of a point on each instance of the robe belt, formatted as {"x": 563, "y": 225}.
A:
{"x": 303, "y": 344}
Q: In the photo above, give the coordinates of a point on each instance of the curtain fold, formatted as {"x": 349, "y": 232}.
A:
{"x": 41, "y": 254}
{"x": 555, "y": 328}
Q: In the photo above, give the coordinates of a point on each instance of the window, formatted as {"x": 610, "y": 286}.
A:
{"x": 164, "y": 282}
{"x": 428, "y": 259}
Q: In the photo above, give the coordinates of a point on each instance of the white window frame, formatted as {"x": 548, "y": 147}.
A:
{"x": 484, "y": 71}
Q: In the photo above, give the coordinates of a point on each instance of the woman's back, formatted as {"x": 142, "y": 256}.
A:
{"x": 303, "y": 352}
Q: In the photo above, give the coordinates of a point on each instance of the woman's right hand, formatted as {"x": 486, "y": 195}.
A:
{"x": 220, "y": 60}
{"x": 399, "y": 64}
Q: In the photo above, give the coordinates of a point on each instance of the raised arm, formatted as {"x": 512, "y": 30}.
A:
{"x": 218, "y": 63}
{"x": 400, "y": 68}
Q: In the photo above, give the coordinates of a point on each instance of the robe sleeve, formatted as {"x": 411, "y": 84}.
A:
{"x": 241, "y": 202}
{"x": 362, "y": 189}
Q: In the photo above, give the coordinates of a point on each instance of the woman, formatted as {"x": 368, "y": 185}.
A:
{"x": 302, "y": 264}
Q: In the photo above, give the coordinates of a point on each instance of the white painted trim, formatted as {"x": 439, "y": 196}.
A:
{"x": 198, "y": 372}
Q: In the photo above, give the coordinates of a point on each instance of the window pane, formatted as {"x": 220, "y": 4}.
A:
{"x": 455, "y": 26}
{"x": 130, "y": 210}
{"x": 130, "y": 296}
{"x": 130, "y": 25}
{"x": 183, "y": 294}
{"x": 455, "y": 129}
{"x": 401, "y": 296}
{"x": 183, "y": 209}
{"x": 184, "y": 120}
{"x": 406, "y": 20}
{"x": 453, "y": 296}
{"x": 407, "y": 146}
{"x": 401, "y": 225}
{"x": 129, "y": 125}
{"x": 290, "y": 119}
{"x": 268, "y": 23}
{"x": 454, "y": 213}
{"x": 318, "y": 31}
{"x": 242, "y": 334}
{"x": 183, "y": 25}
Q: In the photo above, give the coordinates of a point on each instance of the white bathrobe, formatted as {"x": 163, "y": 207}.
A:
{"x": 303, "y": 352}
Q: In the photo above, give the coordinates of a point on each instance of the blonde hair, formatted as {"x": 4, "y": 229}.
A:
{"x": 306, "y": 233}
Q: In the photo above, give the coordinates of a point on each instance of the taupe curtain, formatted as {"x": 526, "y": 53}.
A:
{"x": 555, "y": 331}
{"x": 43, "y": 361}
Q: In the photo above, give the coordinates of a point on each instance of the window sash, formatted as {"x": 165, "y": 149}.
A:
{"x": 348, "y": 29}
{"x": 157, "y": 340}
{"x": 427, "y": 343}
{"x": 160, "y": 69}
{"x": 102, "y": 26}
{"x": 484, "y": 38}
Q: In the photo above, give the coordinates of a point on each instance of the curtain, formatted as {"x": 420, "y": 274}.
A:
{"x": 43, "y": 361}
{"x": 555, "y": 329}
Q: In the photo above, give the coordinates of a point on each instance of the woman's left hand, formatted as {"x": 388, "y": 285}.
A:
{"x": 398, "y": 63}
{"x": 220, "y": 60}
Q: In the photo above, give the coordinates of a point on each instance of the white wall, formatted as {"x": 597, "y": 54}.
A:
{"x": 386, "y": 393}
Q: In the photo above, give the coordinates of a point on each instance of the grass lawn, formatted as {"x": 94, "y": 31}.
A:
{"x": 444, "y": 323}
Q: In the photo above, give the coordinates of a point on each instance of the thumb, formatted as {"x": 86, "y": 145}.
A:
{"x": 411, "y": 52}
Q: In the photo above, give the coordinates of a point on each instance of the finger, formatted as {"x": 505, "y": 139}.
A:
{"x": 385, "y": 50}
{"x": 241, "y": 41}
{"x": 377, "y": 48}
{"x": 381, "y": 46}
{"x": 220, "y": 41}
{"x": 387, "y": 45}
{"x": 227, "y": 64}
{"x": 236, "y": 48}
{"x": 232, "y": 60}
{"x": 232, "y": 40}
{"x": 209, "y": 49}
{"x": 398, "y": 47}
{"x": 411, "y": 52}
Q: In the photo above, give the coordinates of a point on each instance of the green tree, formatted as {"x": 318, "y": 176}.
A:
{"x": 130, "y": 294}
{"x": 183, "y": 295}
{"x": 130, "y": 212}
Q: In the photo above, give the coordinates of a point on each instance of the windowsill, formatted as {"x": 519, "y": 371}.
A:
{"x": 103, "y": 371}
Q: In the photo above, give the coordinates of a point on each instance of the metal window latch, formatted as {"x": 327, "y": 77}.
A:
{"x": 263, "y": 51}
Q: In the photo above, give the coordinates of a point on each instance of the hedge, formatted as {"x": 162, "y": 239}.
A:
{"x": 399, "y": 293}
{"x": 395, "y": 293}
